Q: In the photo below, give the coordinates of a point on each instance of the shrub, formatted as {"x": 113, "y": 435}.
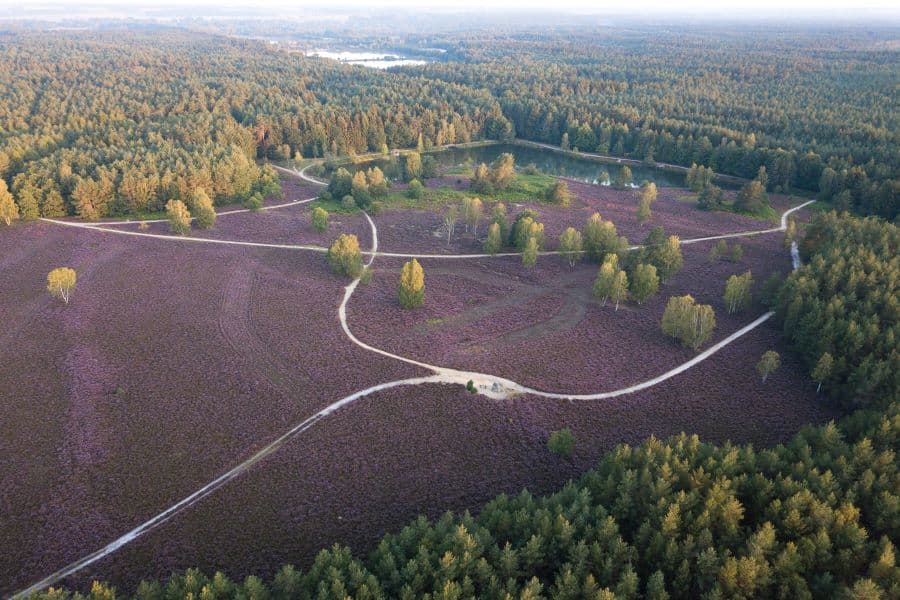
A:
{"x": 319, "y": 219}
{"x": 562, "y": 442}
{"x": 348, "y": 203}
{"x": 416, "y": 190}
{"x": 254, "y": 202}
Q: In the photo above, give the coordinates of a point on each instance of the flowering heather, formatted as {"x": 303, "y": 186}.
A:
{"x": 541, "y": 328}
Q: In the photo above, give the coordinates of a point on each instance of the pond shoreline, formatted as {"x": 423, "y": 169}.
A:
{"x": 730, "y": 180}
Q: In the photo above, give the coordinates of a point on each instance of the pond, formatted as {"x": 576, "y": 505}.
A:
{"x": 367, "y": 59}
{"x": 547, "y": 161}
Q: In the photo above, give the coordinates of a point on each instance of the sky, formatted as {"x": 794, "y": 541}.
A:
{"x": 770, "y": 8}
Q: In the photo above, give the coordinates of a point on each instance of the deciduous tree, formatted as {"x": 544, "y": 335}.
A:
{"x": 530, "y": 253}
{"x": 203, "y": 209}
{"x": 179, "y": 217}
{"x": 473, "y": 210}
{"x": 450, "y": 219}
{"x": 60, "y": 283}
{"x": 768, "y": 364}
{"x": 494, "y": 240}
{"x": 737, "y": 292}
{"x": 8, "y": 209}
{"x": 601, "y": 238}
{"x": 558, "y": 193}
{"x": 645, "y": 282}
{"x": 687, "y": 321}
{"x": 822, "y": 371}
{"x": 412, "y": 166}
{"x": 570, "y": 245}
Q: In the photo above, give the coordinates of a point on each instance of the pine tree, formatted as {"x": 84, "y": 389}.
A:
{"x": 344, "y": 256}
{"x": 412, "y": 285}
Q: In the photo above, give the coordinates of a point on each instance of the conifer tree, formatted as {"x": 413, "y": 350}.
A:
{"x": 344, "y": 256}
{"x": 412, "y": 285}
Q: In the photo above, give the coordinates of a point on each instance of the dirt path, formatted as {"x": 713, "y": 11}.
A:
{"x": 212, "y": 486}
{"x": 488, "y": 385}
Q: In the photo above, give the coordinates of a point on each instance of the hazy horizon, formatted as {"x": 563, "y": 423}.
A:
{"x": 762, "y": 9}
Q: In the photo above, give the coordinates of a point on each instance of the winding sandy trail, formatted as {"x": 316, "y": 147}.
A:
{"x": 489, "y": 385}
{"x": 212, "y": 486}
{"x": 500, "y": 387}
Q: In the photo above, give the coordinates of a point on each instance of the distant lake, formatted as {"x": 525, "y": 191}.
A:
{"x": 375, "y": 60}
{"x": 548, "y": 162}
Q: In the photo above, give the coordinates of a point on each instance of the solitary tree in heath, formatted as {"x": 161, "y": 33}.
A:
{"x": 179, "y": 217}
{"x": 570, "y": 245}
{"x": 203, "y": 209}
{"x": 645, "y": 282}
{"x": 768, "y": 364}
{"x": 412, "y": 285}
{"x": 61, "y": 282}
{"x": 737, "y": 292}
{"x": 344, "y": 256}
{"x": 319, "y": 219}
{"x": 494, "y": 240}
{"x": 9, "y": 212}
